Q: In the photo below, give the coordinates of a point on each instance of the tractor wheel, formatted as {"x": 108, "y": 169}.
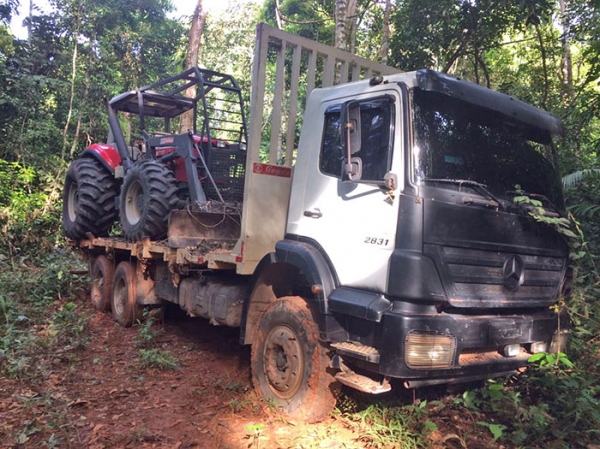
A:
{"x": 148, "y": 195}
{"x": 289, "y": 365}
{"x": 88, "y": 199}
{"x": 125, "y": 310}
{"x": 103, "y": 272}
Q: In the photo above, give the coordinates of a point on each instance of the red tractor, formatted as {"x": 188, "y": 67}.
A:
{"x": 160, "y": 171}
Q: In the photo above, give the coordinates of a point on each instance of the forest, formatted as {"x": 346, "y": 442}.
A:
{"x": 53, "y": 85}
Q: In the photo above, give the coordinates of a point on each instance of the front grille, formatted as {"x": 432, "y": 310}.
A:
{"x": 475, "y": 278}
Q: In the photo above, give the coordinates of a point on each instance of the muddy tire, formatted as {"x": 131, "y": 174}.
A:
{"x": 103, "y": 271}
{"x": 125, "y": 310}
{"x": 148, "y": 195}
{"x": 289, "y": 365}
{"x": 88, "y": 199}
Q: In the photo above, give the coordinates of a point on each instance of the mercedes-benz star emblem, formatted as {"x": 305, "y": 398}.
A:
{"x": 513, "y": 272}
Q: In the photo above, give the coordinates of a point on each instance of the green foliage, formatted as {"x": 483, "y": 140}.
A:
{"x": 29, "y": 210}
{"x": 439, "y": 34}
{"x": 383, "y": 427}
{"x": 536, "y": 210}
{"x": 151, "y": 356}
{"x": 547, "y": 359}
{"x": 147, "y": 334}
{"x": 36, "y": 321}
{"x": 157, "y": 359}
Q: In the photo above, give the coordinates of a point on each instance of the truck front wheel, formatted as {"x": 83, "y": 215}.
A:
{"x": 289, "y": 365}
{"x": 125, "y": 310}
{"x": 103, "y": 272}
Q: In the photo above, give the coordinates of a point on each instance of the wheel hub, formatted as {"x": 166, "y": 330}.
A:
{"x": 283, "y": 361}
{"x": 72, "y": 200}
{"x": 97, "y": 289}
{"x": 120, "y": 294}
{"x": 134, "y": 203}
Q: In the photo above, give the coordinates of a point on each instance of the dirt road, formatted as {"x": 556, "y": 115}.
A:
{"x": 101, "y": 396}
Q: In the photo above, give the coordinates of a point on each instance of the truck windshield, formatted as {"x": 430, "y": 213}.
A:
{"x": 456, "y": 140}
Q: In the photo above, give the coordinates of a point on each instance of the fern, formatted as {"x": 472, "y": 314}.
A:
{"x": 572, "y": 179}
{"x": 587, "y": 211}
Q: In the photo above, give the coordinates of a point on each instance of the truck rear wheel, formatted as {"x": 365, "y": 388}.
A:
{"x": 289, "y": 365}
{"x": 103, "y": 272}
{"x": 148, "y": 195}
{"x": 125, "y": 310}
{"x": 88, "y": 199}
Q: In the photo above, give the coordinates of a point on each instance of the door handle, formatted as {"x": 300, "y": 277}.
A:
{"x": 313, "y": 213}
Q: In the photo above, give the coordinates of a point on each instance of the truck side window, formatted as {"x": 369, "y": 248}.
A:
{"x": 377, "y": 126}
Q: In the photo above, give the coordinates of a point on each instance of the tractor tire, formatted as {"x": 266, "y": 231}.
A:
{"x": 88, "y": 199}
{"x": 148, "y": 195}
{"x": 125, "y": 309}
{"x": 103, "y": 271}
{"x": 289, "y": 364}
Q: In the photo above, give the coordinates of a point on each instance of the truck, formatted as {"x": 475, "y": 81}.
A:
{"x": 360, "y": 228}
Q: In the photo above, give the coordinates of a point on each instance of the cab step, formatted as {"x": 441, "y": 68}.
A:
{"x": 362, "y": 383}
{"x": 357, "y": 351}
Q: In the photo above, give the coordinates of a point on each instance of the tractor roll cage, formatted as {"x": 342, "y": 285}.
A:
{"x": 165, "y": 99}
{"x": 217, "y": 146}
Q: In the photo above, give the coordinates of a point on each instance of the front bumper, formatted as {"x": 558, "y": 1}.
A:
{"x": 479, "y": 343}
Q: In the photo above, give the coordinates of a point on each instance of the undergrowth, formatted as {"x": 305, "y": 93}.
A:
{"x": 43, "y": 330}
{"x": 39, "y": 313}
{"x": 150, "y": 355}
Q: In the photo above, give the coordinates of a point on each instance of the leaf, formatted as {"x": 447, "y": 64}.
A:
{"x": 571, "y": 180}
{"x": 536, "y": 357}
{"x": 430, "y": 426}
{"x": 22, "y": 438}
{"x": 496, "y": 429}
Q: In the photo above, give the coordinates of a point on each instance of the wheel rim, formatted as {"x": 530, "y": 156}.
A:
{"x": 72, "y": 198}
{"x": 120, "y": 297}
{"x": 283, "y": 361}
{"x": 98, "y": 288}
{"x": 134, "y": 202}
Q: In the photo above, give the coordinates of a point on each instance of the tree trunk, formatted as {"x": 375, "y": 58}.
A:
{"x": 544, "y": 65}
{"x": 385, "y": 39}
{"x": 351, "y": 25}
{"x": 196, "y": 30}
{"x": 278, "y": 17}
{"x": 29, "y": 21}
{"x": 566, "y": 41}
{"x": 71, "y": 98}
{"x": 341, "y": 38}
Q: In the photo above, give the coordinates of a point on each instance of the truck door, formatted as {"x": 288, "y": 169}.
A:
{"x": 354, "y": 222}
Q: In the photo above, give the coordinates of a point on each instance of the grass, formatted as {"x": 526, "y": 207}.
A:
{"x": 157, "y": 359}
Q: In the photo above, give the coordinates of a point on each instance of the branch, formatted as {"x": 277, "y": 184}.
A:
{"x": 283, "y": 17}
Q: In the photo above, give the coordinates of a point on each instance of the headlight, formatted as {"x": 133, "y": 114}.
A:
{"x": 512, "y": 350}
{"x": 538, "y": 346}
{"x": 428, "y": 350}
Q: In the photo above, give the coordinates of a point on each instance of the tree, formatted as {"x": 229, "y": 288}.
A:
{"x": 385, "y": 46}
{"x": 196, "y": 30}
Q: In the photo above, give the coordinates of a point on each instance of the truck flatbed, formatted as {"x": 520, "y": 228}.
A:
{"x": 201, "y": 256}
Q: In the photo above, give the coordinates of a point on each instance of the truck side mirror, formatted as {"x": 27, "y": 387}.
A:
{"x": 351, "y": 139}
{"x": 390, "y": 181}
